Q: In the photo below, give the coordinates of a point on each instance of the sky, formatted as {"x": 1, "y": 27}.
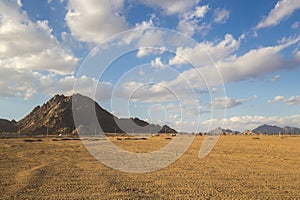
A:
{"x": 191, "y": 64}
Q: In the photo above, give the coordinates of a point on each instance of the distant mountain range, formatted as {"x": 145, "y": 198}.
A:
{"x": 263, "y": 129}
{"x": 268, "y": 129}
{"x": 220, "y": 130}
{"x": 55, "y": 116}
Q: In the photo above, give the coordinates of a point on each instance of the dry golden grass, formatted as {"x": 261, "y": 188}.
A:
{"x": 239, "y": 167}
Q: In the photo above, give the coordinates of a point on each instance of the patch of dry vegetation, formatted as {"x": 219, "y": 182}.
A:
{"x": 239, "y": 167}
{"x": 141, "y": 144}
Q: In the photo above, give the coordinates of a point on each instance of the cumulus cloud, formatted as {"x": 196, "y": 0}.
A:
{"x": 150, "y": 42}
{"x": 146, "y": 92}
{"x": 151, "y": 38}
{"x": 157, "y": 63}
{"x": 145, "y": 51}
{"x": 227, "y": 102}
{"x": 293, "y": 100}
{"x": 198, "y": 12}
{"x": 254, "y": 63}
{"x": 282, "y": 9}
{"x": 31, "y": 45}
{"x": 221, "y": 15}
{"x": 170, "y": 7}
{"x": 156, "y": 92}
{"x": 248, "y": 122}
{"x": 69, "y": 85}
{"x": 203, "y": 53}
{"x": 94, "y": 21}
{"x": 190, "y": 28}
{"x": 26, "y": 49}
{"x": 17, "y": 82}
{"x": 189, "y": 21}
{"x": 139, "y": 30}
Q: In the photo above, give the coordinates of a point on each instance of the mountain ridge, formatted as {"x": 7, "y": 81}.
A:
{"x": 56, "y": 116}
{"x": 272, "y": 129}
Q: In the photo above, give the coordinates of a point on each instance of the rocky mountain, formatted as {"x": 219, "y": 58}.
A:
{"x": 8, "y": 126}
{"x": 166, "y": 129}
{"x": 56, "y": 116}
{"x": 268, "y": 129}
{"x": 291, "y": 130}
{"x": 220, "y": 130}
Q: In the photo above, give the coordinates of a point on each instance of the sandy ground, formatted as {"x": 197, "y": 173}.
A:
{"x": 239, "y": 167}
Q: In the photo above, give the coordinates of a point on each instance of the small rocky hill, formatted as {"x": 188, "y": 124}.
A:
{"x": 8, "y": 126}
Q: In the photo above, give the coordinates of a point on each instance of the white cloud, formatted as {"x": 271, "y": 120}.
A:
{"x": 17, "y": 82}
{"x": 276, "y": 99}
{"x": 197, "y": 13}
{"x": 139, "y": 91}
{"x": 142, "y": 33}
{"x": 150, "y": 42}
{"x": 87, "y": 86}
{"x": 69, "y": 85}
{"x": 226, "y": 102}
{"x": 31, "y": 45}
{"x": 276, "y": 77}
{"x": 153, "y": 21}
{"x": 143, "y": 52}
{"x": 186, "y": 27}
{"x": 155, "y": 92}
{"x": 247, "y": 122}
{"x": 295, "y": 25}
{"x": 151, "y": 38}
{"x": 94, "y": 21}
{"x": 203, "y": 53}
{"x": 189, "y": 22}
{"x": 19, "y": 3}
{"x": 221, "y": 15}
{"x": 26, "y": 49}
{"x": 157, "y": 63}
{"x": 293, "y": 100}
{"x": 255, "y": 63}
{"x": 170, "y": 7}
{"x": 282, "y": 9}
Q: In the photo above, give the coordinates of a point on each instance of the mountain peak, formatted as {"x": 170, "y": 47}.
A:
{"x": 268, "y": 129}
{"x": 57, "y": 98}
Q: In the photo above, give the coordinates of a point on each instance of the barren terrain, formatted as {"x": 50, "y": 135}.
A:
{"x": 239, "y": 167}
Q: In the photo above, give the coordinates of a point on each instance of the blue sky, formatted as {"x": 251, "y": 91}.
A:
{"x": 194, "y": 65}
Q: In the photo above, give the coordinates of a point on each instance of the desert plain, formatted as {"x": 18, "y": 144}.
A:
{"x": 238, "y": 167}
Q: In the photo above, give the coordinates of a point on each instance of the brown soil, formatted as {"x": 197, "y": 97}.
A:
{"x": 239, "y": 167}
